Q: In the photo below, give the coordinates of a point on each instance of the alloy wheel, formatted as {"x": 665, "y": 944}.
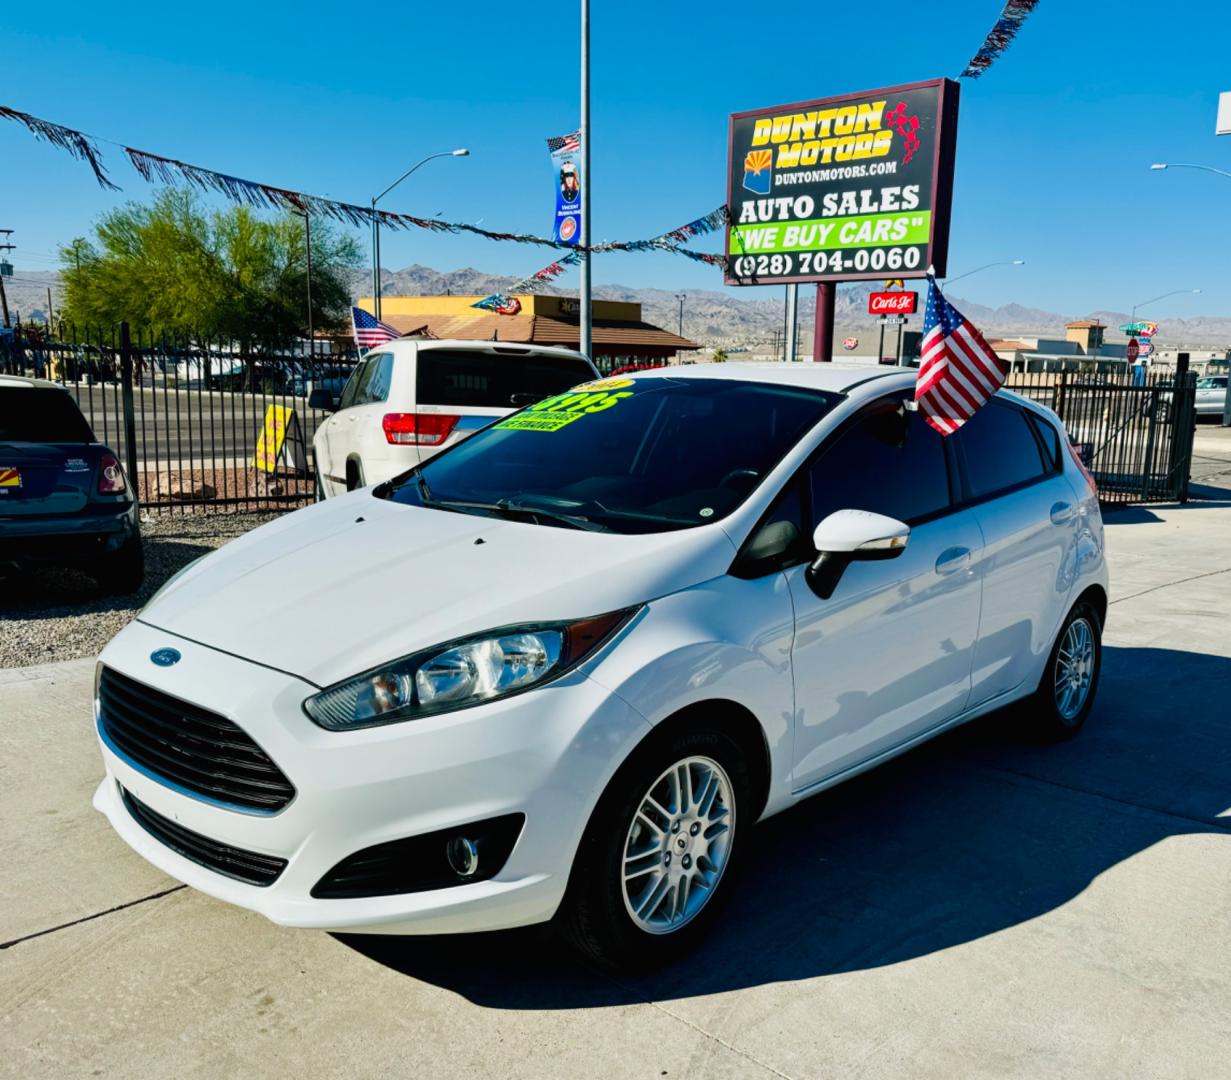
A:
{"x": 678, "y": 845}
{"x": 1074, "y": 669}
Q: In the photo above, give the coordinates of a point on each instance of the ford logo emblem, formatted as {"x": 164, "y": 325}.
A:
{"x": 165, "y": 657}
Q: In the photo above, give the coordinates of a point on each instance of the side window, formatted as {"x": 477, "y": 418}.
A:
{"x": 886, "y": 463}
{"x": 351, "y": 390}
{"x": 1051, "y": 442}
{"x": 380, "y": 379}
{"x": 1000, "y": 450}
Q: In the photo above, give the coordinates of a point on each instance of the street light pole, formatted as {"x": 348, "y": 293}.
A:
{"x": 307, "y": 228}
{"x": 585, "y": 315}
{"x": 978, "y": 269}
{"x": 376, "y": 221}
{"x": 1143, "y": 303}
{"x": 1186, "y": 165}
{"x": 681, "y": 297}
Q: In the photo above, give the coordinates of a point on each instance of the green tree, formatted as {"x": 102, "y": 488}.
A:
{"x": 172, "y": 267}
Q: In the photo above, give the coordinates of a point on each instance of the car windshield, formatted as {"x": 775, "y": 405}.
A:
{"x": 40, "y": 414}
{"x": 622, "y": 455}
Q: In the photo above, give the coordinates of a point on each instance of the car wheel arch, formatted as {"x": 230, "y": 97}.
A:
{"x": 1096, "y": 597}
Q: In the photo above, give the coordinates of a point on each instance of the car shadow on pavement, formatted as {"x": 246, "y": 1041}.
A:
{"x": 51, "y": 592}
{"x": 976, "y": 832}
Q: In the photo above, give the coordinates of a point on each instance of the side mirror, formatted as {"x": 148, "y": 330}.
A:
{"x": 321, "y": 398}
{"x": 849, "y": 535}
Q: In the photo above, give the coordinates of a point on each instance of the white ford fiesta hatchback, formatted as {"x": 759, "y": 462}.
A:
{"x": 409, "y": 399}
{"x": 563, "y": 668}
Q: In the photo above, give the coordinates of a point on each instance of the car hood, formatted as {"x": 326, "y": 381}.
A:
{"x": 351, "y": 583}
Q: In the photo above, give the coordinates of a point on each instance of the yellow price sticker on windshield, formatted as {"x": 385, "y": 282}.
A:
{"x": 555, "y": 412}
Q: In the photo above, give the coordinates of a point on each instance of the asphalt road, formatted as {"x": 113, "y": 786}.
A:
{"x": 982, "y": 907}
{"x": 188, "y": 425}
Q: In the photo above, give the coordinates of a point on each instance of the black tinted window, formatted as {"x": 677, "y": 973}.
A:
{"x": 1000, "y": 449}
{"x": 350, "y": 392}
{"x": 887, "y": 463}
{"x": 377, "y": 379}
{"x": 41, "y": 415}
{"x": 640, "y": 455}
{"x": 1051, "y": 442}
{"x": 499, "y": 380}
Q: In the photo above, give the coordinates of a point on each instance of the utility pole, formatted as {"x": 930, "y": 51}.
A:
{"x": 587, "y": 189}
{"x": 5, "y": 271}
{"x": 307, "y": 228}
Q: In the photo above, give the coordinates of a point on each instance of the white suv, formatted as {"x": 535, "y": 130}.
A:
{"x": 409, "y": 399}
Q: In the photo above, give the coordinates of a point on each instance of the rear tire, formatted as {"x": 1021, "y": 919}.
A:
{"x": 354, "y": 476}
{"x": 1066, "y": 692}
{"x": 123, "y": 571}
{"x": 652, "y": 874}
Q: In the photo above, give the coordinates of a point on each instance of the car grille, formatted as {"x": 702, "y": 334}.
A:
{"x": 189, "y": 747}
{"x": 234, "y": 862}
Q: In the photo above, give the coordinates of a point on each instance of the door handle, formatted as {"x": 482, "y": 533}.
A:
{"x": 1061, "y": 513}
{"x": 953, "y": 559}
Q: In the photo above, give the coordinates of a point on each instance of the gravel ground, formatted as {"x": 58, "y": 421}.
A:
{"x": 54, "y": 614}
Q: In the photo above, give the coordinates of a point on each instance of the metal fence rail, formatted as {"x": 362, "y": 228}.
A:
{"x": 186, "y": 415}
{"x": 1134, "y": 434}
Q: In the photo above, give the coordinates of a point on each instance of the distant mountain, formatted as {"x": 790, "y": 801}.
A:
{"x": 731, "y": 319}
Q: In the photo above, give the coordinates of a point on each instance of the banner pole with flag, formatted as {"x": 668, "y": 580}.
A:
{"x": 958, "y": 370}
{"x": 369, "y": 330}
{"x": 587, "y": 189}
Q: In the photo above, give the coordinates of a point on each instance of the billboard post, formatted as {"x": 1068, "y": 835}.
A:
{"x": 846, "y": 188}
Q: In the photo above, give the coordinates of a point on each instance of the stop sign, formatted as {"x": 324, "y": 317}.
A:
{"x": 1132, "y": 351}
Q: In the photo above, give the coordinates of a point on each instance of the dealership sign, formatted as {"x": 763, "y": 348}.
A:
{"x": 892, "y": 303}
{"x": 840, "y": 189}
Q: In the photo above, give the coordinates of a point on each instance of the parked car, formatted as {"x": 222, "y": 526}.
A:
{"x": 1211, "y": 397}
{"x": 64, "y": 498}
{"x": 410, "y": 399}
{"x": 332, "y": 379}
{"x": 560, "y": 669}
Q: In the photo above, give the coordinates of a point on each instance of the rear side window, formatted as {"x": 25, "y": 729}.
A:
{"x": 1000, "y": 449}
{"x": 1051, "y": 443}
{"x": 377, "y": 380}
{"x": 40, "y": 414}
{"x": 495, "y": 380}
{"x": 888, "y": 463}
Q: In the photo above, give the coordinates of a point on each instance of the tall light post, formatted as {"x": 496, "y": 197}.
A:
{"x": 681, "y": 297}
{"x": 1185, "y": 165}
{"x": 988, "y": 266}
{"x": 376, "y": 221}
{"x": 307, "y": 228}
{"x": 587, "y": 190}
{"x": 1175, "y": 292}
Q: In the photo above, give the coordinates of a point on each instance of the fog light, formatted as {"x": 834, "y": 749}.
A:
{"x": 463, "y": 856}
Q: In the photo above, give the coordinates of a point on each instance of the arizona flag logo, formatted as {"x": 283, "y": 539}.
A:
{"x": 757, "y": 172}
{"x": 10, "y": 478}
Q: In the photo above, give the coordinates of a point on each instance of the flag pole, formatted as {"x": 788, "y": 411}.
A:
{"x": 587, "y": 187}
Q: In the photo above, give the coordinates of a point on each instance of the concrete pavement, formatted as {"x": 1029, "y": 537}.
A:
{"x": 984, "y": 907}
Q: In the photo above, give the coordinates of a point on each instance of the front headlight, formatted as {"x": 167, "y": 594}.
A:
{"x": 461, "y": 673}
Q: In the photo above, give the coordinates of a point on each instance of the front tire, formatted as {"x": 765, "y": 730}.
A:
{"x": 1066, "y": 692}
{"x": 657, "y": 860}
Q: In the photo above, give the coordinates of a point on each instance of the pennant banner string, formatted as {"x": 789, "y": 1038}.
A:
{"x": 155, "y": 168}
{"x": 1000, "y": 37}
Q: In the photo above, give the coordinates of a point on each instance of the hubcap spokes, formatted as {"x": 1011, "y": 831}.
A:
{"x": 678, "y": 845}
{"x": 1074, "y": 669}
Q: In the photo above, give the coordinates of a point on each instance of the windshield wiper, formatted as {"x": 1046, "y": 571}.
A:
{"x": 577, "y": 521}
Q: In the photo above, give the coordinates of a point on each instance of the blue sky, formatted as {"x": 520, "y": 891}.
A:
{"x": 1053, "y": 157}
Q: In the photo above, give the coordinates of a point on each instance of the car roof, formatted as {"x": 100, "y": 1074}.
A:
{"x": 502, "y": 348}
{"x": 22, "y": 383}
{"x": 835, "y": 377}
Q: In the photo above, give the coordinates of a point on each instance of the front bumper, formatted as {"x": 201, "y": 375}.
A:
{"x": 546, "y": 754}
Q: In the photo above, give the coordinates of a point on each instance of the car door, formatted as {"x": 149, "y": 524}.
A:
{"x": 1029, "y": 516}
{"x": 336, "y": 429}
{"x": 887, "y": 657}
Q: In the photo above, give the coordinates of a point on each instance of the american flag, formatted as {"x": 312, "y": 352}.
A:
{"x": 958, "y": 370}
{"x": 565, "y": 142}
{"x": 370, "y": 331}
